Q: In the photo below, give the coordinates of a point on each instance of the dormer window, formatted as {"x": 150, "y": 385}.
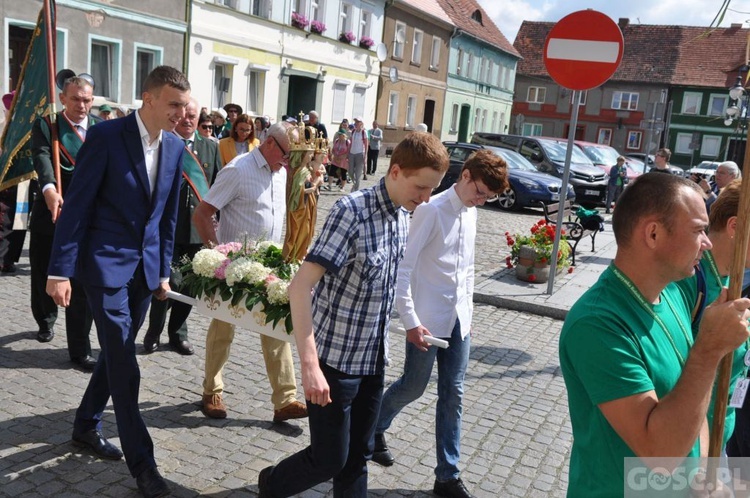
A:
{"x": 477, "y": 16}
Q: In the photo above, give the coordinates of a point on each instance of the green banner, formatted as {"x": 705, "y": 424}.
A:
{"x": 30, "y": 102}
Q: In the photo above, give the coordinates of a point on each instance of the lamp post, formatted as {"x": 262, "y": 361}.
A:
{"x": 736, "y": 113}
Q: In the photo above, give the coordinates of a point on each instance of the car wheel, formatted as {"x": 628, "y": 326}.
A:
{"x": 492, "y": 199}
{"x": 507, "y": 200}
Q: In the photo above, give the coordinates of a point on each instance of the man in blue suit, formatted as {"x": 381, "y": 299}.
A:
{"x": 115, "y": 235}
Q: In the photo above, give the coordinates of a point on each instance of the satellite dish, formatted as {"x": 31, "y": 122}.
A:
{"x": 381, "y": 51}
{"x": 400, "y": 36}
{"x": 393, "y": 74}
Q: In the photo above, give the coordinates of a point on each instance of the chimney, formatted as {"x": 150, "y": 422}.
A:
{"x": 623, "y": 22}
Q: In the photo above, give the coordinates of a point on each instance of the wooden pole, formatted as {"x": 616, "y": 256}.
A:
{"x": 49, "y": 31}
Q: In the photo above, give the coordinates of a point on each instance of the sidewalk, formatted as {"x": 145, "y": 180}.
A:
{"x": 504, "y": 290}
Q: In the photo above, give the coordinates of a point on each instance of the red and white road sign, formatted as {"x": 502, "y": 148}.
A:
{"x": 583, "y": 50}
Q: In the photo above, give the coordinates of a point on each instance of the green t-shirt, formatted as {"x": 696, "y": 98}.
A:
{"x": 689, "y": 287}
{"x": 610, "y": 348}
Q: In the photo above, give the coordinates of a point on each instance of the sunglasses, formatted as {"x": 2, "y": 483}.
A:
{"x": 206, "y": 127}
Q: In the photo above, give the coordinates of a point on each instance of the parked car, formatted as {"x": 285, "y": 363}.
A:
{"x": 548, "y": 155}
{"x": 604, "y": 157}
{"x": 706, "y": 169}
{"x": 527, "y": 187}
{"x": 649, "y": 160}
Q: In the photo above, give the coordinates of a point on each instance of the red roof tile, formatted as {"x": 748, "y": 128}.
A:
{"x": 461, "y": 11}
{"x": 670, "y": 55}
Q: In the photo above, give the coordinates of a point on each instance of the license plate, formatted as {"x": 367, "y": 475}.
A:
{"x": 555, "y": 197}
{"x": 591, "y": 192}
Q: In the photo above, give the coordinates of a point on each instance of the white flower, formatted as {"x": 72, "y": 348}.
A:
{"x": 264, "y": 245}
{"x": 246, "y": 270}
{"x": 206, "y": 261}
{"x": 278, "y": 292}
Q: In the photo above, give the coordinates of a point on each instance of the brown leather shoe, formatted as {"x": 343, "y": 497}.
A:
{"x": 213, "y": 406}
{"x": 293, "y": 410}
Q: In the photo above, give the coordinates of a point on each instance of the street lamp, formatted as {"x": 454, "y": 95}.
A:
{"x": 737, "y": 110}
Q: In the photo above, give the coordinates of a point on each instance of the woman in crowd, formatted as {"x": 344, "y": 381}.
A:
{"x": 261, "y": 128}
{"x": 339, "y": 160}
{"x": 241, "y": 141}
{"x": 206, "y": 127}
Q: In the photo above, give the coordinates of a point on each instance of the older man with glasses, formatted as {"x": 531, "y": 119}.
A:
{"x": 250, "y": 191}
{"x": 725, "y": 173}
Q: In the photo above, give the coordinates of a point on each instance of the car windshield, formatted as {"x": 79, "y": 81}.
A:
{"x": 513, "y": 159}
{"x": 601, "y": 155}
{"x": 556, "y": 152}
{"x": 708, "y": 165}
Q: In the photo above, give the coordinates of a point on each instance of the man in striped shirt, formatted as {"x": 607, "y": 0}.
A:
{"x": 342, "y": 329}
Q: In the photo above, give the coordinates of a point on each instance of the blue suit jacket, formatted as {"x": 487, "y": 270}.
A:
{"x": 109, "y": 222}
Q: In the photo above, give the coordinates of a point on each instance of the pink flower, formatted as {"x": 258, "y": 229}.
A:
{"x": 271, "y": 278}
{"x": 225, "y": 249}
{"x": 220, "y": 272}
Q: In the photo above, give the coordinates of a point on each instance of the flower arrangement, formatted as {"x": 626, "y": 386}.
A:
{"x": 245, "y": 273}
{"x": 540, "y": 241}
{"x": 347, "y": 37}
{"x": 299, "y": 21}
{"x": 366, "y": 42}
{"x": 317, "y": 27}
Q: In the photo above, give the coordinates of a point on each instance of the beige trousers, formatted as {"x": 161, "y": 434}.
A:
{"x": 277, "y": 355}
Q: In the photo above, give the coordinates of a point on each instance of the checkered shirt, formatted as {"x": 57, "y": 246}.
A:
{"x": 360, "y": 246}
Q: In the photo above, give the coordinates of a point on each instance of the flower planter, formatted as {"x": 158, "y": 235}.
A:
{"x": 254, "y": 320}
{"x": 529, "y": 269}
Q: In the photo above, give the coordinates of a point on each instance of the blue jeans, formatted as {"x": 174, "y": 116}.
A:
{"x": 411, "y": 385}
{"x": 341, "y": 439}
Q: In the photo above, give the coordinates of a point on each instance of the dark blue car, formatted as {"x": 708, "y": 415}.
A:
{"x": 528, "y": 186}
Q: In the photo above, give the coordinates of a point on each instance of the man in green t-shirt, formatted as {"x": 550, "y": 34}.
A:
{"x": 631, "y": 367}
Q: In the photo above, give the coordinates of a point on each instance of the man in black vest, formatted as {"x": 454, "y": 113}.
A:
{"x": 200, "y": 163}
{"x": 72, "y": 125}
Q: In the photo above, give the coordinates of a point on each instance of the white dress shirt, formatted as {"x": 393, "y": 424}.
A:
{"x": 150, "y": 151}
{"x": 435, "y": 283}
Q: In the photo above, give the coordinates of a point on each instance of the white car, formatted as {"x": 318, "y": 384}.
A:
{"x": 706, "y": 169}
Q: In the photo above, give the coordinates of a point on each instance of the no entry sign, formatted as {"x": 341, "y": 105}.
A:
{"x": 583, "y": 50}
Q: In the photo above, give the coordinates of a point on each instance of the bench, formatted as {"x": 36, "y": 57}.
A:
{"x": 574, "y": 231}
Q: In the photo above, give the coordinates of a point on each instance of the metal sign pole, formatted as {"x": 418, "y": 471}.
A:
{"x": 564, "y": 190}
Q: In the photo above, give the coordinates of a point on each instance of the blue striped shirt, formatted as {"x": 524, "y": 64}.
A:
{"x": 360, "y": 246}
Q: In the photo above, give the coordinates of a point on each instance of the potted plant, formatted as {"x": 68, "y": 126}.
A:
{"x": 299, "y": 21}
{"x": 242, "y": 281}
{"x": 366, "y": 42}
{"x": 317, "y": 27}
{"x": 347, "y": 37}
{"x": 531, "y": 254}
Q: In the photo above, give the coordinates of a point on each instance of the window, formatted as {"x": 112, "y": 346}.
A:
{"x": 536, "y": 94}
{"x": 105, "y": 68}
{"x": 486, "y": 68}
{"x": 221, "y": 85}
{"x": 501, "y": 77}
{"x": 316, "y": 9}
{"x": 501, "y": 123}
{"x": 392, "y": 109}
{"x": 358, "y": 106}
{"x": 364, "y": 26}
{"x": 509, "y": 74}
{"x": 477, "y": 116}
{"x": 691, "y": 103}
{"x": 625, "y": 100}
{"x": 146, "y": 59}
{"x": 416, "y": 48}
{"x": 255, "y": 89}
{"x": 339, "y": 102}
{"x": 717, "y": 104}
{"x": 411, "y": 111}
{"x": 532, "y": 129}
{"x": 398, "y": 46}
{"x": 494, "y": 121}
{"x": 260, "y": 8}
{"x": 469, "y": 62}
{"x": 605, "y": 136}
{"x": 583, "y": 95}
{"x": 299, "y": 7}
{"x": 710, "y": 146}
{"x": 345, "y": 18}
{"x": 484, "y": 120}
{"x": 454, "y": 119}
{"x": 435, "y": 54}
{"x": 460, "y": 63}
{"x": 634, "y": 140}
{"x": 683, "y": 143}
{"x": 490, "y": 72}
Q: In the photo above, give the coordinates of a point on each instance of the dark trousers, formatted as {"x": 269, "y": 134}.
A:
{"x": 177, "y": 329}
{"x": 372, "y": 160}
{"x": 119, "y": 313}
{"x": 78, "y": 317}
{"x": 341, "y": 439}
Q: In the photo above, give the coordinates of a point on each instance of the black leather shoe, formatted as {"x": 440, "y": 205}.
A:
{"x": 151, "y": 484}
{"x": 382, "y": 455}
{"x": 9, "y": 268}
{"x": 45, "y": 335}
{"x": 264, "y": 488}
{"x": 453, "y": 489}
{"x": 183, "y": 347}
{"x": 150, "y": 344}
{"x": 85, "y": 363}
{"x": 95, "y": 440}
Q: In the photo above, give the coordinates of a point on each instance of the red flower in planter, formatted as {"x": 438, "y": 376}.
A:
{"x": 532, "y": 278}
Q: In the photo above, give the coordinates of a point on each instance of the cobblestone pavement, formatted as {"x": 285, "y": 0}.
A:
{"x": 516, "y": 433}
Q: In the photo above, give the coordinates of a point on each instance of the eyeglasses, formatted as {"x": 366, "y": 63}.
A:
{"x": 206, "y": 127}
{"x": 480, "y": 194}
{"x": 286, "y": 154}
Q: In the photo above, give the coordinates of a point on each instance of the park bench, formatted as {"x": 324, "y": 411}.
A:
{"x": 574, "y": 231}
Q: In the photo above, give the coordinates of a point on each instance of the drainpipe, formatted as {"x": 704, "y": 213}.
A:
{"x": 188, "y": 32}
